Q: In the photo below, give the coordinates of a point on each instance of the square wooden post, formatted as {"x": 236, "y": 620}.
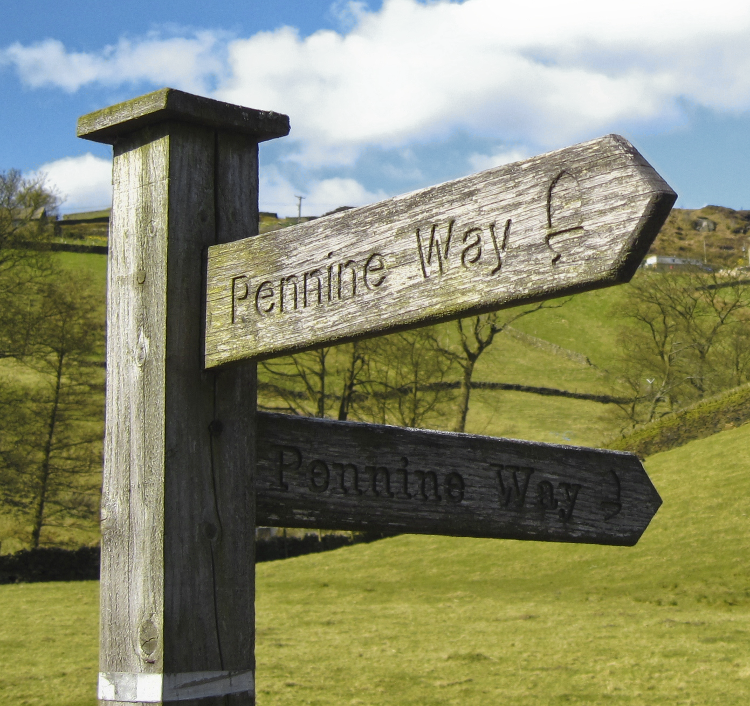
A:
{"x": 178, "y": 505}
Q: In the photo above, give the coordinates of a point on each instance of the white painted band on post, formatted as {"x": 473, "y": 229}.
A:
{"x": 155, "y": 688}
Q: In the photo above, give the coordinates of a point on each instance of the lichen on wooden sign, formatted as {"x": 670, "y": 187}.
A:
{"x": 571, "y": 220}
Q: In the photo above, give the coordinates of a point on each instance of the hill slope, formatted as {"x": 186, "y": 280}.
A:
{"x": 709, "y": 416}
{"x": 724, "y": 231}
{"x": 437, "y": 620}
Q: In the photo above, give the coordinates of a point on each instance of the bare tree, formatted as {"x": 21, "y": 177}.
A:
{"x": 25, "y": 207}
{"x": 51, "y": 447}
{"x": 396, "y": 379}
{"x": 475, "y": 335}
{"x": 685, "y": 337}
{"x": 355, "y": 362}
{"x": 734, "y": 353}
{"x": 318, "y": 383}
{"x": 651, "y": 350}
{"x": 406, "y": 379}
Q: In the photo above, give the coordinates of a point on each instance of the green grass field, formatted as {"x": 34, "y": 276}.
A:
{"x": 14, "y": 527}
{"x": 438, "y": 620}
{"x": 587, "y": 323}
{"x": 96, "y": 265}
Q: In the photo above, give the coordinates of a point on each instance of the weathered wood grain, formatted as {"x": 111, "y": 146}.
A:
{"x": 177, "y": 582}
{"x": 349, "y": 476}
{"x": 108, "y": 124}
{"x": 571, "y": 220}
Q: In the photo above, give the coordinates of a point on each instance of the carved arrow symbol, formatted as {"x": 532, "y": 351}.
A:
{"x": 610, "y": 507}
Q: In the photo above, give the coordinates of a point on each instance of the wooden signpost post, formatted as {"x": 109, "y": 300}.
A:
{"x": 179, "y": 497}
{"x": 178, "y": 510}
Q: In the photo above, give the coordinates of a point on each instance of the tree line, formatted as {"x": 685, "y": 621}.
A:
{"x": 406, "y": 379}
{"x": 683, "y": 336}
{"x": 51, "y": 373}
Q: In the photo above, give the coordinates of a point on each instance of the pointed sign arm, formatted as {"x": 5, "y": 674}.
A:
{"x": 567, "y": 221}
{"x": 367, "y": 477}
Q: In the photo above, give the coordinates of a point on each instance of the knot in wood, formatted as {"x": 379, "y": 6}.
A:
{"x": 148, "y": 637}
{"x": 141, "y": 349}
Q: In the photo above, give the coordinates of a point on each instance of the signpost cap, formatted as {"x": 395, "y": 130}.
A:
{"x": 108, "y": 124}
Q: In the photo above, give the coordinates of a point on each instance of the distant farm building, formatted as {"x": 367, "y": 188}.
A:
{"x": 666, "y": 262}
{"x": 704, "y": 225}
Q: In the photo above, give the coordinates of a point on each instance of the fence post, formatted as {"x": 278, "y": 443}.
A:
{"x": 178, "y": 506}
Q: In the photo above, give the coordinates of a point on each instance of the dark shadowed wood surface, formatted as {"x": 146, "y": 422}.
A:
{"x": 177, "y": 578}
{"x": 576, "y": 219}
{"x": 351, "y": 476}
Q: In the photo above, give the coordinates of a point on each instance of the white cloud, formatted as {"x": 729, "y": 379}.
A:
{"x": 278, "y": 195}
{"x": 327, "y": 194}
{"x": 541, "y": 72}
{"x": 480, "y": 162}
{"x": 85, "y": 182}
{"x": 192, "y": 63}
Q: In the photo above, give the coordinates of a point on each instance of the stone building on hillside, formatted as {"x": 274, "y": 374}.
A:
{"x": 666, "y": 262}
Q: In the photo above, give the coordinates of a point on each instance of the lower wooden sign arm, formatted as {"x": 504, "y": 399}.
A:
{"x": 365, "y": 477}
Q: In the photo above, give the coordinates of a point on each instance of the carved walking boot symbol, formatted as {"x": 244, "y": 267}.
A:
{"x": 563, "y": 209}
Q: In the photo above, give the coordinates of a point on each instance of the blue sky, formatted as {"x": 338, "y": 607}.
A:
{"x": 388, "y": 96}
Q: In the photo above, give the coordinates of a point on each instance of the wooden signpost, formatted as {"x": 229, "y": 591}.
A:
{"x": 178, "y": 510}
{"x": 179, "y": 496}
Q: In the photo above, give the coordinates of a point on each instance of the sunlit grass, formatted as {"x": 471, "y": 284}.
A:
{"x": 441, "y": 620}
{"x": 48, "y": 644}
{"x": 587, "y": 323}
{"x": 95, "y": 264}
{"x": 437, "y": 620}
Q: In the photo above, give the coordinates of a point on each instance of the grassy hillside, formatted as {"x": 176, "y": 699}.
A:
{"x": 13, "y": 529}
{"x": 725, "y": 245}
{"x": 437, "y": 620}
{"x": 724, "y": 411}
{"x": 90, "y": 228}
{"x": 587, "y": 323}
{"x": 269, "y": 222}
{"x": 95, "y": 265}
